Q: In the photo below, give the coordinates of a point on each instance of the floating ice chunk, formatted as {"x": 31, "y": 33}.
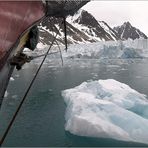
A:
{"x": 107, "y": 108}
{"x": 14, "y": 96}
{"x": 11, "y": 79}
{"x": 17, "y": 75}
{"x": 6, "y": 94}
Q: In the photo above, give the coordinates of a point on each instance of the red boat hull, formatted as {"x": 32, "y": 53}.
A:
{"x": 15, "y": 18}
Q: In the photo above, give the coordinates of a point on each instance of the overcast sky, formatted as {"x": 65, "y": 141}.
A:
{"x": 117, "y": 12}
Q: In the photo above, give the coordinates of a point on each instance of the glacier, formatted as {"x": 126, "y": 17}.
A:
{"x": 110, "y": 50}
{"x": 107, "y": 109}
{"x": 100, "y": 50}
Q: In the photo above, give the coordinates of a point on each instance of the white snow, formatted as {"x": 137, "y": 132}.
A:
{"x": 107, "y": 108}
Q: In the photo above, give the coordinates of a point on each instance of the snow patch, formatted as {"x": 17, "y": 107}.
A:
{"x": 107, "y": 29}
{"x": 107, "y": 108}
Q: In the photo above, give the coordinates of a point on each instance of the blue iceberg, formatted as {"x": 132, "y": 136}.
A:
{"x": 107, "y": 109}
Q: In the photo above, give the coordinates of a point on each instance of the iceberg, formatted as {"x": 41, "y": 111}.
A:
{"x": 106, "y": 109}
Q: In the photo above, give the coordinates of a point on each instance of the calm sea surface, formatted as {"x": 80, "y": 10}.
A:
{"x": 41, "y": 119}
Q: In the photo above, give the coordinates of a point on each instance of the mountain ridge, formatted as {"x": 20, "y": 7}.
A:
{"x": 126, "y": 31}
{"x": 84, "y": 28}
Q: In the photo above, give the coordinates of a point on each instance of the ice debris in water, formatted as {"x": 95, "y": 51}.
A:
{"x": 11, "y": 79}
{"x": 6, "y": 94}
{"x": 107, "y": 109}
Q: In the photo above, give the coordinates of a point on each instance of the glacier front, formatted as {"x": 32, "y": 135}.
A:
{"x": 107, "y": 109}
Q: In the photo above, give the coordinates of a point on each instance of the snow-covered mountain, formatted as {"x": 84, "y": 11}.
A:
{"x": 84, "y": 28}
{"x": 127, "y": 31}
{"x": 50, "y": 27}
{"x": 99, "y": 31}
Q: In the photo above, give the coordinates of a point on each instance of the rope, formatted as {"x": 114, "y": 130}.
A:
{"x": 65, "y": 32}
{"x": 21, "y": 103}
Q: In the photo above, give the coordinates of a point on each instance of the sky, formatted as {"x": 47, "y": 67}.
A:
{"x": 117, "y": 12}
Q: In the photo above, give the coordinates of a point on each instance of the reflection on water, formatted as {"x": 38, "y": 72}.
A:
{"x": 41, "y": 119}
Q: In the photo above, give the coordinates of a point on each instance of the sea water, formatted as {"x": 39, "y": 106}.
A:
{"x": 41, "y": 119}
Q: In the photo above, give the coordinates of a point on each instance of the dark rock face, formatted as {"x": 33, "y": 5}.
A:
{"x": 126, "y": 31}
{"x": 86, "y": 19}
{"x": 52, "y": 25}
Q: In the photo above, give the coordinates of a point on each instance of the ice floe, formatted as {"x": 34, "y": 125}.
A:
{"x": 108, "y": 109}
{"x": 11, "y": 79}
